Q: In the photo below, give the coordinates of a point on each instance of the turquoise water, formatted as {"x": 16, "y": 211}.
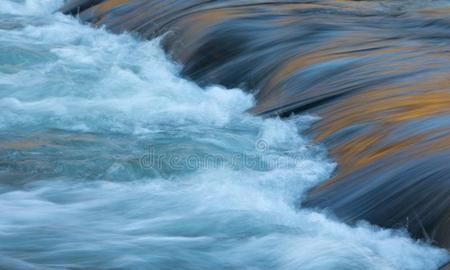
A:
{"x": 110, "y": 160}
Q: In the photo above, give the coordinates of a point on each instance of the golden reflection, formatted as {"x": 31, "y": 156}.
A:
{"x": 382, "y": 111}
{"x": 110, "y": 4}
{"x": 44, "y": 139}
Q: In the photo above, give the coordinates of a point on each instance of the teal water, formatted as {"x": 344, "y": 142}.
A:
{"x": 110, "y": 160}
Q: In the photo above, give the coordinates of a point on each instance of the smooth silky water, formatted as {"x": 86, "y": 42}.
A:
{"x": 110, "y": 160}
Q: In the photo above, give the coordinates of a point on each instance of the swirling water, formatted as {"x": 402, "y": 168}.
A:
{"x": 110, "y": 160}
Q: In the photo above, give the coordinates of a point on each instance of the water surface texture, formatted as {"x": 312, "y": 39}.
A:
{"x": 110, "y": 160}
{"x": 376, "y": 72}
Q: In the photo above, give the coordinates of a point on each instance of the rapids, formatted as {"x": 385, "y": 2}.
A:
{"x": 109, "y": 159}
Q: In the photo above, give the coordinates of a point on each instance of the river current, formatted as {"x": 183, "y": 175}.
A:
{"x": 110, "y": 160}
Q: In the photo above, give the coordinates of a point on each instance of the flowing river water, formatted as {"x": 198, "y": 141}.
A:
{"x": 110, "y": 160}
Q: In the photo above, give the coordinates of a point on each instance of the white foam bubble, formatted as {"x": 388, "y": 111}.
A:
{"x": 29, "y": 7}
{"x": 130, "y": 81}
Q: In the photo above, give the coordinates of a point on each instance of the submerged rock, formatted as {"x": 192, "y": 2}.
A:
{"x": 378, "y": 75}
